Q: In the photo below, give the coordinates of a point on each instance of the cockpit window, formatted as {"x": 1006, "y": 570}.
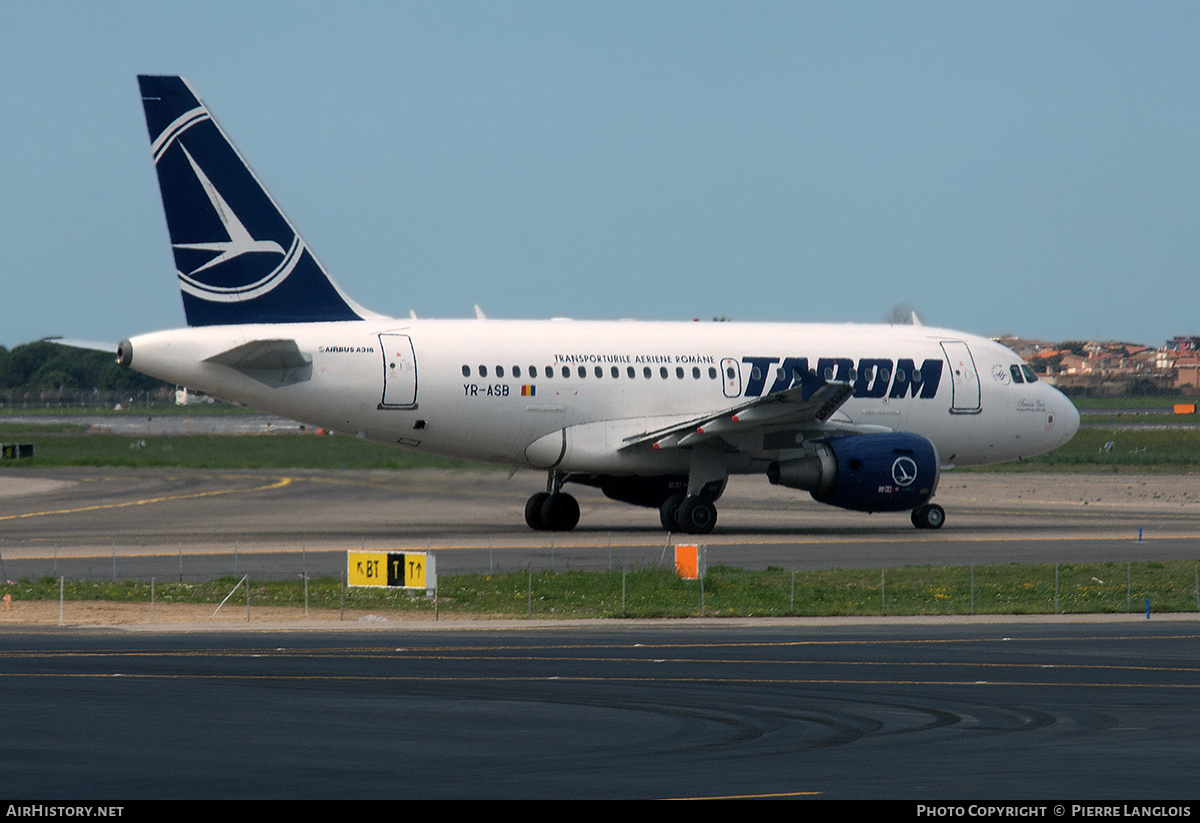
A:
{"x": 1030, "y": 377}
{"x": 1015, "y": 371}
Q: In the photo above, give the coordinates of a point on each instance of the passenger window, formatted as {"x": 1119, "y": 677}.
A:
{"x": 679, "y": 372}
{"x": 695, "y": 372}
{"x": 499, "y": 371}
{"x": 646, "y": 372}
{"x": 712, "y": 373}
{"x": 466, "y": 371}
{"x": 516, "y": 372}
{"x": 582, "y": 371}
{"x": 630, "y": 373}
{"x": 599, "y": 372}
{"x": 615, "y": 372}
{"x": 483, "y": 371}
{"x": 662, "y": 372}
{"x": 566, "y": 371}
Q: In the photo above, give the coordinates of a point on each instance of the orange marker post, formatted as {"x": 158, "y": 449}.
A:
{"x": 689, "y": 561}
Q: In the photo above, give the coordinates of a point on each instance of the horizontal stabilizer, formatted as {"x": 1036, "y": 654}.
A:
{"x": 90, "y": 345}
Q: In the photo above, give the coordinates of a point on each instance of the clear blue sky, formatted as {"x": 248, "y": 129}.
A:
{"x": 1007, "y": 167}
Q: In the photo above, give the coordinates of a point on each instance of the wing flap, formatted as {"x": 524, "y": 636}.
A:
{"x": 811, "y": 403}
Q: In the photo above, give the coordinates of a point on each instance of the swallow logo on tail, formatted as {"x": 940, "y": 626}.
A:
{"x": 238, "y": 258}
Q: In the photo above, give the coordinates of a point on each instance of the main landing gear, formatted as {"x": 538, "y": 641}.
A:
{"x": 556, "y": 511}
{"x": 691, "y": 514}
{"x": 552, "y": 510}
{"x": 929, "y": 516}
{"x": 695, "y": 513}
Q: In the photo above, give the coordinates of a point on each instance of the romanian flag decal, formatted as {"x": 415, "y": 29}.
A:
{"x": 528, "y": 391}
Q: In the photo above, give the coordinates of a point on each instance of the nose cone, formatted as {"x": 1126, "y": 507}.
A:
{"x": 1066, "y": 418}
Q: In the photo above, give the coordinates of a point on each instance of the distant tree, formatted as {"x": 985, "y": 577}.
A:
{"x": 50, "y": 378}
{"x": 44, "y": 365}
{"x": 1141, "y": 387}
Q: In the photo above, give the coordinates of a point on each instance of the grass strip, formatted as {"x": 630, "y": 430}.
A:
{"x": 198, "y": 410}
{"x": 225, "y": 451}
{"x": 1160, "y": 401}
{"x": 1113, "y": 450}
{"x": 1077, "y": 588}
{"x": 1092, "y": 449}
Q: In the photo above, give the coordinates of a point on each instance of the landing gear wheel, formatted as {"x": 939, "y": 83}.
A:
{"x": 533, "y": 511}
{"x": 560, "y": 512}
{"x": 696, "y": 515}
{"x": 666, "y": 512}
{"x": 929, "y": 516}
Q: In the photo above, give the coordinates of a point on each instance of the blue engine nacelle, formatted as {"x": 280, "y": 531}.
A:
{"x": 865, "y": 472}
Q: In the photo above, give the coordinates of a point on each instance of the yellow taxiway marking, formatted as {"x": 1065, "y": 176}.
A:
{"x": 283, "y": 481}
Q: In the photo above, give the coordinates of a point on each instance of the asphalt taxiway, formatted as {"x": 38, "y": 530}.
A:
{"x": 148, "y": 522}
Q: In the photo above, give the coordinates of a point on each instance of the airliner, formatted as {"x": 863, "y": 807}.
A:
{"x": 654, "y": 414}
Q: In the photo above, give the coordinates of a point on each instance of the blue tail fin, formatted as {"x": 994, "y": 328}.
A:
{"x": 238, "y": 258}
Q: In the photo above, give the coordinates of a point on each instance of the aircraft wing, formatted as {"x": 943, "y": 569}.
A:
{"x": 811, "y": 403}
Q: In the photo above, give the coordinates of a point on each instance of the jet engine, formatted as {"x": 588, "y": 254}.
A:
{"x": 865, "y": 472}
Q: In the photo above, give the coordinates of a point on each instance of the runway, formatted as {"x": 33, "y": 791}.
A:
{"x": 85, "y": 522}
{"x": 1048, "y": 711}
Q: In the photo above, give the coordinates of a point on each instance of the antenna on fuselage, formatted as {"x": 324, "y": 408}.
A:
{"x": 903, "y": 314}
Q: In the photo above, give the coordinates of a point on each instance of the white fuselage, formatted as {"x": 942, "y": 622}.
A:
{"x": 494, "y": 390}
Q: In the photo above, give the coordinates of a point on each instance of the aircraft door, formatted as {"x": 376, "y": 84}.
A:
{"x": 731, "y": 376}
{"x": 965, "y": 399}
{"x": 399, "y": 372}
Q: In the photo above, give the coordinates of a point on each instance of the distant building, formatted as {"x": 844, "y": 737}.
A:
{"x": 1187, "y": 373}
{"x": 1105, "y": 368}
